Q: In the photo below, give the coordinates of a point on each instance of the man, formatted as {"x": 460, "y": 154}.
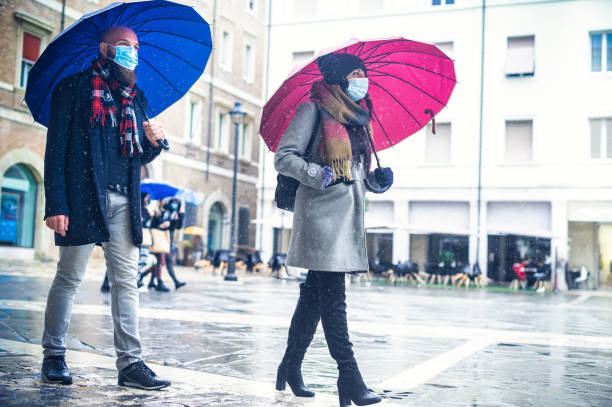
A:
{"x": 97, "y": 141}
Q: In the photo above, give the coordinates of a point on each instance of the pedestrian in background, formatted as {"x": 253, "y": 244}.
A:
{"x": 97, "y": 142}
{"x": 328, "y": 235}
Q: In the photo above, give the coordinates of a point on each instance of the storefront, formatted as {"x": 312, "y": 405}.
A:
{"x": 517, "y": 232}
{"x": 18, "y": 207}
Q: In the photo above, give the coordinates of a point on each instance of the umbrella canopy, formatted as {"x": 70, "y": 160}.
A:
{"x": 193, "y": 230}
{"x": 175, "y": 44}
{"x": 409, "y": 83}
{"x": 160, "y": 190}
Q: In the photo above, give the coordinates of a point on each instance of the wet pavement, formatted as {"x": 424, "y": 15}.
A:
{"x": 220, "y": 343}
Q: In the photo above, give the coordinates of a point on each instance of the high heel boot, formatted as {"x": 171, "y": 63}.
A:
{"x": 333, "y": 317}
{"x": 303, "y": 327}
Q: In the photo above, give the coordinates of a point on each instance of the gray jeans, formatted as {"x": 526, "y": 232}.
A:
{"x": 121, "y": 265}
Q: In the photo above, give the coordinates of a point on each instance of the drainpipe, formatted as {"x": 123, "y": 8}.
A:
{"x": 482, "y": 55}
{"x": 210, "y": 91}
{"x": 63, "y": 15}
{"x": 263, "y": 150}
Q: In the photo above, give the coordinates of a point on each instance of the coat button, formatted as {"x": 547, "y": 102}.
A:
{"x": 312, "y": 171}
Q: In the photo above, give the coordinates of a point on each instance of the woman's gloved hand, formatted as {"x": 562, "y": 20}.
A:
{"x": 384, "y": 176}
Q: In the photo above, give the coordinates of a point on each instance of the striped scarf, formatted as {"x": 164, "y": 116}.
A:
{"x": 104, "y": 110}
{"x": 338, "y": 110}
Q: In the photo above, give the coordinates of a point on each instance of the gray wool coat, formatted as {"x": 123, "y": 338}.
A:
{"x": 328, "y": 229}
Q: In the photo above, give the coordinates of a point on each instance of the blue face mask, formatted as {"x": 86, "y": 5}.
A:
{"x": 127, "y": 57}
{"x": 357, "y": 88}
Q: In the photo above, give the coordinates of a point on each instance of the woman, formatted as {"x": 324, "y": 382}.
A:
{"x": 146, "y": 218}
{"x": 163, "y": 225}
{"x": 328, "y": 236}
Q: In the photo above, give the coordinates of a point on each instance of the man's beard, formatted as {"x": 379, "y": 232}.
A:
{"x": 126, "y": 77}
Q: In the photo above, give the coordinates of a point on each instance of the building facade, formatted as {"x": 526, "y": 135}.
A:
{"x": 545, "y": 192}
{"x": 198, "y": 126}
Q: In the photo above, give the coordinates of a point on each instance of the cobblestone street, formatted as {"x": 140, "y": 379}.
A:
{"x": 220, "y": 343}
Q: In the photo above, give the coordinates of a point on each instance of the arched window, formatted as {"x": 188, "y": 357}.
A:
{"x": 215, "y": 227}
{"x": 18, "y": 207}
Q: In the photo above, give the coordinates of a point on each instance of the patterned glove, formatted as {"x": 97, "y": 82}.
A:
{"x": 328, "y": 177}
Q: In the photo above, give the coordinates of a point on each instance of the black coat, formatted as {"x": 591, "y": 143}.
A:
{"x": 74, "y": 165}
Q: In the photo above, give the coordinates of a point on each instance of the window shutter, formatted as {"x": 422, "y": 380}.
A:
{"x": 520, "y": 57}
{"x": 31, "y": 47}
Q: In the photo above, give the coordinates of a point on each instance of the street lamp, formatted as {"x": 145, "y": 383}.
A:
{"x": 237, "y": 116}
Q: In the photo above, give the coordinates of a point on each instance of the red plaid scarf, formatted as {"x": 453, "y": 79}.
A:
{"x": 104, "y": 110}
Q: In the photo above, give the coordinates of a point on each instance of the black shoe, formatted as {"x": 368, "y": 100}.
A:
{"x": 151, "y": 282}
{"x": 54, "y": 370}
{"x": 105, "y": 285}
{"x": 352, "y": 388}
{"x": 139, "y": 282}
{"x": 139, "y": 375}
{"x": 293, "y": 376}
{"x": 161, "y": 286}
{"x": 179, "y": 284}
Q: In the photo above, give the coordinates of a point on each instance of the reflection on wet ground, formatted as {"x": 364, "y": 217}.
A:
{"x": 415, "y": 346}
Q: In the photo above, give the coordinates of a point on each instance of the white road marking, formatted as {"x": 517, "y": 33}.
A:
{"x": 576, "y": 301}
{"x": 202, "y": 381}
{"x": 429, "y": 369}
{"x": 408, "y": 330}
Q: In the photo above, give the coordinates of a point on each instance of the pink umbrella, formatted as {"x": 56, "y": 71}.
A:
{"x": 410, "y": 82}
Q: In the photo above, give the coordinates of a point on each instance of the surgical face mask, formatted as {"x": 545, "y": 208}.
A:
{"x": 357, "y": 88}
{"x": 127, "y": 57}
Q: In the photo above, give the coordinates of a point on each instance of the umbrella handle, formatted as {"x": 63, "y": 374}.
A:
{"x": 433, "y": 120}
{"x": 164, "y": 143}
{"x": 373, "y": 148}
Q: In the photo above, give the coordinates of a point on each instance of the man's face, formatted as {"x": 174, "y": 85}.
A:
{"x": 118, "y": 36}
{"x": 114, "y": 37}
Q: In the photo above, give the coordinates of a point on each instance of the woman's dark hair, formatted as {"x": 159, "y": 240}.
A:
{"x": 359, "y": 136}
{"x": 143, "y": 197}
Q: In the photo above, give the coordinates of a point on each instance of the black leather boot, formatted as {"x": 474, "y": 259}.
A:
{"x": 54, "y": 370}
{"x": 333, "y": 317}
{"x": 352, "y": 388}
{"x": 177, "y": 284}
{"x": 303, "y": 327}
{"x": 152, "y": 281}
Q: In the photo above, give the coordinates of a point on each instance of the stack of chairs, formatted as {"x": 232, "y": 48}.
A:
{"x": 408, "y": 271}
{"x": 251, "y": 262}
{"x": 434, "y": 272}
{"x": 277, "y": 264}
{"x": 382, "y": 269}
{"x": 220, "y": 260}
{"x": 465, "y": 275}
{"x": 206, "y": 264}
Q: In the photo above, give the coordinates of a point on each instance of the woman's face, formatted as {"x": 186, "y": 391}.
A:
{"x": 357, "y": 73}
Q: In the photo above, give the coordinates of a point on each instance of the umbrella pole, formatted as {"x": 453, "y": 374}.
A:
{"x": 373, "y": 148}
{"x": 163, "y": 143}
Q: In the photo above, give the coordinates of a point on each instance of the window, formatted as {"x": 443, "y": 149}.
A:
{"x": 371, "y": 5}
{"x": 245, "y": 137}
{"x": 303, "y": 9}
{"x": 438, "y": 146}
{"x": 243, "y": 226}
{"x": 251, "y": 5}
{"x": 226, "y": 51}
{"x": 30, "y": 50}
{"x": 601, "y": 52}
{"x": 194, "y": 130}
{"x": 520, "y": 57}
{"x": 519, "y": 141}
{"x": 249, "y": 62}
{"x": 439, "y": 2}
{"x": 446, "y": 47}
{"x": 222, "y": 139}
{"x": 300, "y": 57}
{"x": 601, "y": 138}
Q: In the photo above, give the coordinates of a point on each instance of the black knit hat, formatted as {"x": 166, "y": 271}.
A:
{"x": 335, "y": 67}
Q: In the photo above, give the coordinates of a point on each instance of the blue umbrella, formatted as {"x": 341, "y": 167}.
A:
{"x": 159, "y": 190}
{"x": 175, "y": 44}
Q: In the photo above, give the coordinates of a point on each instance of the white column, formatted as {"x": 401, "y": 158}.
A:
{"x": 560, "y": 241}
{"x": 401, "y": 237}
{"x": 473, "y": 230}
